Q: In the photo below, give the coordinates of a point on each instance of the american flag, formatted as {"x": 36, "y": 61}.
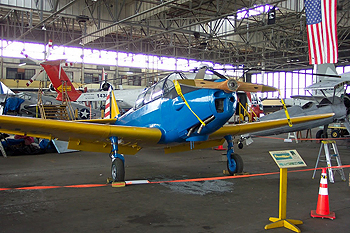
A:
{"x": 321, "y": 21}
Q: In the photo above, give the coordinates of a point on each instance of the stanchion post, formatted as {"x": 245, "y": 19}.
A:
{"x": 284, "y": 160}
{"x": 281, "y": 221}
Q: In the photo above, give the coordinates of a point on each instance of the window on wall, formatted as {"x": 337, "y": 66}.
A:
{"x": 290, "y": 83}
{"x": 91, "y": 78}
{"x": 19, "y": 73}
{"x": 88, "y": 78}
{"x": 137, "y": 81}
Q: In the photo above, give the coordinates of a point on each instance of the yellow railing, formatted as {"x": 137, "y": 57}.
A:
{"x": 246, "y": 112}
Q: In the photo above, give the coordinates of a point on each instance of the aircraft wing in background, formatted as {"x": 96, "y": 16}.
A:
{"x": 328, "y": 84}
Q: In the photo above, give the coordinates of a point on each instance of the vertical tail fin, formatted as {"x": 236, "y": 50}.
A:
{"x": 111, "y": 107}
{"x": 60, "y": 80}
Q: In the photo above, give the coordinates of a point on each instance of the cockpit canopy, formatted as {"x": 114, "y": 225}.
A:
{"x": 165, "y": 88}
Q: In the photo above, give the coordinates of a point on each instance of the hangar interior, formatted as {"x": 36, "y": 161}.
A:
{"x": 265, "y": 41}
{"x": 237, "y": 33}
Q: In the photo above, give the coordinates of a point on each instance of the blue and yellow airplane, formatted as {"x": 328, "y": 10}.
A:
{"x": 176, "y": 113}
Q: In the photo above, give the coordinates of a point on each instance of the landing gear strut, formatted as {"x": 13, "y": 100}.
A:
{"x": 118, "y": 161}
{"x": 234, "y": 161}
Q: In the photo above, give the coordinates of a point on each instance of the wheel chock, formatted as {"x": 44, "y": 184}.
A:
{"x": 225, "y": 172}
{"x": 109, "y": 180}
{"x": 115, "y": 184}
{"x": 118, "y": 184}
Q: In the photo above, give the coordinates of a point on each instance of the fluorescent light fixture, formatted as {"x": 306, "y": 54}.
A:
{"x": 22, "y": 64}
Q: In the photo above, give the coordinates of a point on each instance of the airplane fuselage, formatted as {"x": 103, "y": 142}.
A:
{"x": 176, "y": 121}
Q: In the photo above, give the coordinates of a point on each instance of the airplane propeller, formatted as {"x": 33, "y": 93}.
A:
{"x": 230, "y": 85}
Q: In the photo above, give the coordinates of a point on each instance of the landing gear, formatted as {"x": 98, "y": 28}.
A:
{"x": 335, "y": 133}
{"x": 319, "y": 134}
{"x": 118, "y": 162}
{"x": 234, "y": 161}
{"x": 236, "y": 164}
{"x": 118, "y": 170}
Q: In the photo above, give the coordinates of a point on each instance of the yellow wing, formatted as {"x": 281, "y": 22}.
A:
{"x": 216, "y": 138}
{"x": 263, "y": 125}
{"x": 82, "y": 136}
{"x": 99, "y": 121}
{"x": 95, "y": 137}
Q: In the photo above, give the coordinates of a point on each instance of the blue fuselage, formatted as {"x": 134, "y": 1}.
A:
{"x": 177, "y": 122}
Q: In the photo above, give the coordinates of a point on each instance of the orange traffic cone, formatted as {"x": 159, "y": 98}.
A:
{"x": 322, "y": 210}
{"x": 220, "y": 148}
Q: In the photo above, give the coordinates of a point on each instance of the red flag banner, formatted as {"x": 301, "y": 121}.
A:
{"x": 321, "y": 23}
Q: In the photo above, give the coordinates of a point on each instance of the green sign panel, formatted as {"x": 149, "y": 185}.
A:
{"x": 287, "y": 159}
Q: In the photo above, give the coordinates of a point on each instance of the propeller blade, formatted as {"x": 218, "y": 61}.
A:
{"x": 252, "y": 87}
{"x": 229, "y": 85}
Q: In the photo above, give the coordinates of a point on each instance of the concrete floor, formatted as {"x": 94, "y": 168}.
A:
{"x": 229, "y": 205}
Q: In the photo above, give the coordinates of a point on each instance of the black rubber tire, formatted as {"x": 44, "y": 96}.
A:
{"x": 319, "y": 134}
{"x": 335, "y": 133}
{"x": 239, "y": 164}
{"x": 118, "y": 170}
{"x": 240, "y": 145}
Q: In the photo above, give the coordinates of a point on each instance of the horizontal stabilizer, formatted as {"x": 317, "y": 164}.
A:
{"x": 327, "y": 84}
{"x": 307, "y": 97}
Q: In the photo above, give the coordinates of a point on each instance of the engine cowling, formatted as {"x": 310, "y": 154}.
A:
{"x": 105, "y": 86}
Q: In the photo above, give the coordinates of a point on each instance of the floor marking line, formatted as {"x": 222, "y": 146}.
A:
{"x": 161, "y": 182}
{"x": 239, "y": 176}
{"x": 85, "y": 185}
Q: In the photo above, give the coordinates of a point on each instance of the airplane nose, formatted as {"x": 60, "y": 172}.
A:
{"x": 232, "y": 85}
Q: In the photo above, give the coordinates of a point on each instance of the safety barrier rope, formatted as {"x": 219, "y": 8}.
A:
{"x": 167, "y": 181}
{"x": 179, "y": 92}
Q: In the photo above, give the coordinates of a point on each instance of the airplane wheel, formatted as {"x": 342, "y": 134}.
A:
{"x": 335, "y": 133}
{"x": 240, "y": 145}
{"x": 319, "y": 134}
{"x": 239, "y": 164}
{"x": 118, "y": 170}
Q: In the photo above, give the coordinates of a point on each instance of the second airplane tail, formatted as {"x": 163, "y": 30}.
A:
{"x": 60, "y": 80}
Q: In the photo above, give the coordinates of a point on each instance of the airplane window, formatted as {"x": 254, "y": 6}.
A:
{"x": 169, "y": 90}
{"x": 158, "y": 90}
{"x": 168, "y": 85}
{"x": 139, "y": 101}
{"x": 148, "y": 95}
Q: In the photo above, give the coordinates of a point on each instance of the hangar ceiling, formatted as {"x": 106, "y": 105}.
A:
{"x": 213, "y": 30}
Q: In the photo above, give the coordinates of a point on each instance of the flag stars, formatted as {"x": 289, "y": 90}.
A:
{"x": 313, "y": 11}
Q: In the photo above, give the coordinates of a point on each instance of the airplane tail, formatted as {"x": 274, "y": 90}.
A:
{"x": 111, "y": 107}
{"x": 326, "y": 69}
{"x": 60, "y": 80}
{"x": 5, "y": 90}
